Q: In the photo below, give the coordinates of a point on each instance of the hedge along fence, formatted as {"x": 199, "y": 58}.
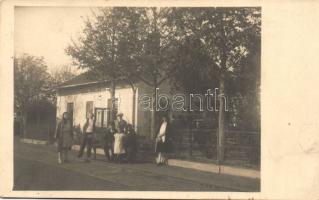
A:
{"x": 41, "y": 121}
{"x": 239, "y": 145}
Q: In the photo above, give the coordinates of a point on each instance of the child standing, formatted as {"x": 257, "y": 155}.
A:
{"x": 119, "y": 149}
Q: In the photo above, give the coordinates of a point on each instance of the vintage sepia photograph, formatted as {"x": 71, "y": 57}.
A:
{"x": 137, "y": 99}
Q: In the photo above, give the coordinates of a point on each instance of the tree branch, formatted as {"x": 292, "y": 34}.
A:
{"x": 144, "y": 80}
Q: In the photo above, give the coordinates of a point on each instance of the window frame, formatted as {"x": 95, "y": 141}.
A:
{"x": 104, "y": 110}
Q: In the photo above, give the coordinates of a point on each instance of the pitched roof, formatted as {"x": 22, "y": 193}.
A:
{"x": 82, "y": 79}
{"x": 87, "y": 78}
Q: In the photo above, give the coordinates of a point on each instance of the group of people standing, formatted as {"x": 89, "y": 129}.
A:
{"x": 120, "y": 142}
{"x": 117, "y": 135}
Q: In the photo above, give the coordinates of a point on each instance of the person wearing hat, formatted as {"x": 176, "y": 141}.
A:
{"x": 120, "y": 124}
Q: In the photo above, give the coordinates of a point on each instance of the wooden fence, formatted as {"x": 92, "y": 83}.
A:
{"x": 202, "y": 143}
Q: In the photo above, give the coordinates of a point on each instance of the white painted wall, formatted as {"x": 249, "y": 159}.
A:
{"x": 99, "y": 98}
{"x": 125, "y": 96}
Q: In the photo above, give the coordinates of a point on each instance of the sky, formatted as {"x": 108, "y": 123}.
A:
{"x": 47, "y": 31}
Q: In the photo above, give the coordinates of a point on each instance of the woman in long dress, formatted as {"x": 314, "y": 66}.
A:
{"x": 64, "y": 136}
{"x": 119, "y": 149}
{"x": 162, "y": 147}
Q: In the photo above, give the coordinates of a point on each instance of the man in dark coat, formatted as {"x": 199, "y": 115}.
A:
{"x": 130, "y": 144}
{"x": 108, "y": 142}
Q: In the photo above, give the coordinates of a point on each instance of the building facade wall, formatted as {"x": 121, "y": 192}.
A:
{"x": 99, "y": 96}
{"x": 125, "y": 98}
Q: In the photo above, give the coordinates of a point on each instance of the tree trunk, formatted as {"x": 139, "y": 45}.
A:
{"x": 112, "y": 110}
{"x": 221, "y": 132}
{"x": 24, "y": 124}
{"x": 153, "y": 115}
{"x": 134, "y": 107}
